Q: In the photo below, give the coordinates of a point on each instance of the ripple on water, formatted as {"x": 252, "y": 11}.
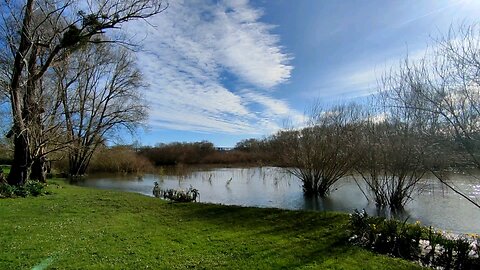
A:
{"x": 435, "y": 205}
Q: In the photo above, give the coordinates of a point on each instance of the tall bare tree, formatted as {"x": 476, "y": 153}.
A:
{"x": 444, "y": 87}
{"x": 38, "y": 34}
{"x": 100, "y": 94}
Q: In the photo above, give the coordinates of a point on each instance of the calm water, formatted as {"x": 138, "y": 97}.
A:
{"x": 273, "y": 187}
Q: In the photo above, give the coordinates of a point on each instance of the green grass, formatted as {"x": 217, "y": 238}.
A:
{"x": 81, "y": 228}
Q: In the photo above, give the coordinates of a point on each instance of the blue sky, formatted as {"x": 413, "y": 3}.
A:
{"x": 223, "y": 71}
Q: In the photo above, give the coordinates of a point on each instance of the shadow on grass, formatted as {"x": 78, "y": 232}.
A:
{"x": 306, "y": 237}
{"x": 277, "y": 220}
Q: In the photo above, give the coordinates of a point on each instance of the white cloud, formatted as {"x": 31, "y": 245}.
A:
{"x": 452, "y": 5}
{"x": 362, "y": 78}
{"x": 274, "y": 108}
{"x": 248, "y": 49}
{"x": 193, "y": 55}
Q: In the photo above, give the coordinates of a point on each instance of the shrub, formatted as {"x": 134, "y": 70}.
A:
{"x": 11, "y": 191}
{"x": 35, "y": 188}
{"x": 414, "y": 242}
{"x": 119, "y": 159}
{"x": 178, "y": 153}
{"x": 21, "y": 191}
{"x": 205, "y": 153}
{"x": 31, "y": 187}
{"x": 6, "y": 190}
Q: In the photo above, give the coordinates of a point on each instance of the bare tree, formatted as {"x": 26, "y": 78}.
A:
{"x": 38, "y": 34}
{"x": 444, "y": 87}
{"x": 393, "y": 157}
{"x": 100, "y": 94}
{"x": 324, "y": 152}
{"x": 455, "y": 85}
{"x": 46, "y": 135}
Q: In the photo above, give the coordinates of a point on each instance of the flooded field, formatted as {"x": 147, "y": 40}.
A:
{"x": 433, "y": 205}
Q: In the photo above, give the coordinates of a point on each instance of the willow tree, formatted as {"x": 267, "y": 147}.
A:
{"x": 444, "y": 87}
{"x": 322, "y": 153}
{"x": 394, "y": 156}
{"x": 35, "y": 36}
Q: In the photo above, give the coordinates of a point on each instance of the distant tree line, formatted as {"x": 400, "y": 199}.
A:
{"x": 205, "y": 153}
{"x": 141, "y": 159}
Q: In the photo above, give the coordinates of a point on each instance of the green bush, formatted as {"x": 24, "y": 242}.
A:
{"x": 7, "y": 191}
{"x": 35, "y": 188}
{"x": 414, "y": 242}
{"x": 31, "y": 187}
{"x": 21, "y": 191}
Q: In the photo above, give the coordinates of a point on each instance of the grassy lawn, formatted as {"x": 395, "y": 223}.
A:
{"x": 81, "y": 228}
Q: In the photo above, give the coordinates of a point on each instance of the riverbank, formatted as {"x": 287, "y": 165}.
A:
{"x": 83, "y": 228}
{"x": 272, "y": 187}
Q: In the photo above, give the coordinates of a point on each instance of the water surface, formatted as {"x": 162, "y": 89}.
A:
{"x": 434, "y": 206}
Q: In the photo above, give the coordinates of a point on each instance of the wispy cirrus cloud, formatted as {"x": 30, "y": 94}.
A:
{"x": 363, "y": 78}
{"x": 273, "y": 108}
{"x": 199, "y": 56}
{"x": 451, "y": 5}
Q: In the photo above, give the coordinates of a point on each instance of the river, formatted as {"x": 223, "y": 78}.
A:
{"x": 433, "y": 205}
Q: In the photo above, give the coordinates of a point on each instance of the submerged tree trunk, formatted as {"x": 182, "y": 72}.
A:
{"x": 314, "y": 186}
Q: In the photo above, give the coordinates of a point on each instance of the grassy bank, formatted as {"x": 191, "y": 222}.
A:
{"x": 80, "y": 228}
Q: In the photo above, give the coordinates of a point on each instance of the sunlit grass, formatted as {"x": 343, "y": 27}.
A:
{"x": 81, "y": 228}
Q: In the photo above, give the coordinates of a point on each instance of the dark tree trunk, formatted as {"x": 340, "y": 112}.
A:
{"x": 77, "y": 168}
{"x": 21, "y": 163}
{"x": 39, "y": 170}
{"x": 313, "y": 188}
{"x": 19, "y": 171}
